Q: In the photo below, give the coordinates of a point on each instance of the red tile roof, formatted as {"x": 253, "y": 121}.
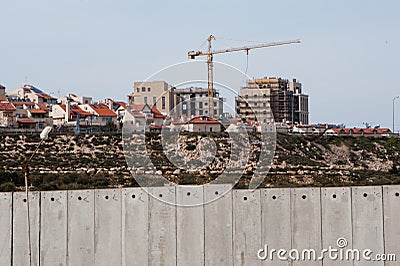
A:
{"x": 6, "y": 106}
{"x": 23, "y": 103}
{"x": 36, "y": 111}
{"x": 203, "y": 120}
{"x": 137, "y": 107}
{"x": 361, "y": 131}
{"x": 43, "y": 106}
{"x": 26, "y": 121}
{"x": 46, "y": 96}
{"x": 75, "y": 110}
{"x": 103, "y": 110}
{"x": 123, "y": 104}
{"x": 157, "y": 113}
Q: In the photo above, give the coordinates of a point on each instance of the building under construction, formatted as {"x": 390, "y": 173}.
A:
{"x": 194, "y": 102}
{"x": 273, "y": 100}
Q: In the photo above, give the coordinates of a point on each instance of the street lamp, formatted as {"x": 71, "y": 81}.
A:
{"x": 396, "y": 97}
{"x": 43, "y": 136}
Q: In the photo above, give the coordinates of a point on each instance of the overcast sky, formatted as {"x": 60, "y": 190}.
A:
{"x": 348, "y": 61}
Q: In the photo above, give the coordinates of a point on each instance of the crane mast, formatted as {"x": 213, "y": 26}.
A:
{"x": 210, "y": 53}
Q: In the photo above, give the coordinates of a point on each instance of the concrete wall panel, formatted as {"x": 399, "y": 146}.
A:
{"x": 367, "y": 221}
{"x": 190, "y": 225}
{"x": 247, "y": 227}
{"x": 162, "y": 226}
{"x": 20, "y": 228}
{"x": 218, "y": 225}
{"x": 107, "y": 231}
{"x": 81, "y": 227}
{"x": 135, "y": 226}
{"x": 5, "y": 228}
{"x": 53, "y": 228}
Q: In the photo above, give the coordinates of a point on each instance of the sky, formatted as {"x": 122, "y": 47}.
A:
{"x": 348, "y": 60}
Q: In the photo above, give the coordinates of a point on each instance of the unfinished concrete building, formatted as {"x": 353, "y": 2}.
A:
{"x": 193, "y": 101}
{"x": 273, "y": 100}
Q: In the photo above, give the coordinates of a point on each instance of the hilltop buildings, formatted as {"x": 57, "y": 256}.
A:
{"x": 194, "y": 102}
{"x": 273, "y": 100}
{"x": 155, "y": 93}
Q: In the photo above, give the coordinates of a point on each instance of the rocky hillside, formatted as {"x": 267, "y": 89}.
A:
{"x": 97, "y": 161}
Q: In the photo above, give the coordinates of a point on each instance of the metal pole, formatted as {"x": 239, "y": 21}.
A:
{"x": 28, "y": 220}
{"x": 396, "y": 97}
{"x": 210, "y": 78}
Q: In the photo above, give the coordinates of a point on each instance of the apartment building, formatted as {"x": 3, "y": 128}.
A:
{"x": 194, "y": 101}
{"x": 154, "y": 93}
{"x": 33, "y": 94}
{"x": 2, "y": 93}
{"x": 273, "y": 100}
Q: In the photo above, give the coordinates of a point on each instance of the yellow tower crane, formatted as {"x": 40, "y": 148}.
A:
{"x": 209, "y": 53}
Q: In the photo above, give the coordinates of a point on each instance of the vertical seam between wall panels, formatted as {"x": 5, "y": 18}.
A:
{"x": 176, "y": 225}
{"x": 204, "y": 226}
{"x": 94, "y": 225}
{"x": 383, "y": 221}
{"x": 352, "y": 218}
{"x": 320, "y": 223}
{"x": 232, "y": 228}
{"x": 39, "y": 225}
{"x": 12, "y": 229}
{"x": 67, "y": 227}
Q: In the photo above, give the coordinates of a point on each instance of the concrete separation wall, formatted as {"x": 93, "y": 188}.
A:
{"x": 128, "y": 226}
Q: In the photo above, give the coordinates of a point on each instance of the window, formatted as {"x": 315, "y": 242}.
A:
{"x": 154, "y": 100}
{"x": 143, "y": 89}
{"x": 184, "y": 106}
{"x": 148, "y": 89}
{"x": 264, "y": 95}
{"x": 255, "y": 95}
{"x": 200, "y": 112}
{"x": 163, "y": 102}
{"x": 215, "y": 112}
{"x": 137, "y": 89}
{"x": 246, "y": 96}
{"x": 200, "y": 105}
{"x": 215, "y": 104}
{"x": 265, "y": 112}
{"x": 145, "y": 99}
{"x": 205, "y": 104}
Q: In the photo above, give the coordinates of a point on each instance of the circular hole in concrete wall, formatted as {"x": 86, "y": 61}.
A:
{"x": 304, "y": 197}
{"x": 24, "y": 200}
{"x": 365, "y": 195}
{"x": 334, "y": 196}
{"x": 216, "y": 192}
{"x": 274, "y": 197}
{"x": 106, "y": 197}
{"x": 188, "y": 193}
{"x": 397, "y": 194}
{"x": 244, "y": 198}
{"x": 79, "y": 198}
{"x": 133, "y": 196}
{"x": 160, "y": 195}
{"x": 52, "y": 199}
